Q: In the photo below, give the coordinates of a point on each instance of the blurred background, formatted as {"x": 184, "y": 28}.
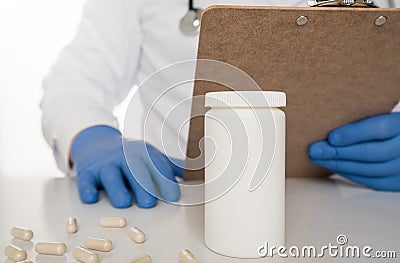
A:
{"x": 32, "y": 33}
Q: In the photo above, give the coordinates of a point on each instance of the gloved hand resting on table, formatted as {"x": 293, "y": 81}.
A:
{"x": 99, "y": 162}
{"x": 366, "y": 152}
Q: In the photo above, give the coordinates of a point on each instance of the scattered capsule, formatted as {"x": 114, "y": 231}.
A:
{"x": 84, "y": 255}
{"x": 99, "y": 244}
{"x": 52, "y": 248}
{"x": 137, "y": 235}
{"x": 72, "y": 225}
{"x": 22, "y": 233}
{"x": 187, "y": 257}
{"x": 145, "y": 259}
{"x": 15, "y": 253}
{"x": 114, "y": 222}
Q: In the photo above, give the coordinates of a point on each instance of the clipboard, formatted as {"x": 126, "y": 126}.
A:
{"x": 339, "y": 67}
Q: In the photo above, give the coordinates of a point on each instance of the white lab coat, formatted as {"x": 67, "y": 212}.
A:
{"x": 119, "y": 44}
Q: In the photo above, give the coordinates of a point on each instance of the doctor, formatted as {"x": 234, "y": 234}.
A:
{"x": 119, "y": 43}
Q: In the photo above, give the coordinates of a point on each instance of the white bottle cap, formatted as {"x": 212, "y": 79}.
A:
{"x": 254, "y": 99}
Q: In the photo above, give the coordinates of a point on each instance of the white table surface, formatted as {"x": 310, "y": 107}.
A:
{"x": 317, "y": 210}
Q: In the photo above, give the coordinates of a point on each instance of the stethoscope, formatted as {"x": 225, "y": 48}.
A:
{"x": 190, "y": 22}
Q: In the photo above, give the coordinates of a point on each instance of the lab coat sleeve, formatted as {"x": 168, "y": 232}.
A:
{"x": 92, "y": 75}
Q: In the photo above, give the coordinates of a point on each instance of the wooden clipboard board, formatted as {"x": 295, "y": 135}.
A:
{"x": 338, "y": 68}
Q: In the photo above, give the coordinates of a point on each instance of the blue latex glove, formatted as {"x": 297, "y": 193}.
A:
{"x": 99, "y": 162}
{"x": 366, "y": 152}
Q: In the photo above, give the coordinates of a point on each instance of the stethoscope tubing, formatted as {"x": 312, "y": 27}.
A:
{"x": 191, "y": 7}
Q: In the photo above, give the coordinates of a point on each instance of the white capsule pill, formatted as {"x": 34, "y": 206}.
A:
{"x": 15, "y": 253}
{"x": 72, "y": 225}
{"x": 51, "y": 248}
{"x": 137, "y": 235}
{"x": 145, "y": 259}
{"x": 187, "y": 257}
{"x": 84, "y": 255}
{"x": 114, "y": 222}
{"x": 98, "y": 244}
{"x": 21, "y": 233}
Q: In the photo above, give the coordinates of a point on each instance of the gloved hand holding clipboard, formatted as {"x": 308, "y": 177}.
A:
{"x": 337, "y": 65}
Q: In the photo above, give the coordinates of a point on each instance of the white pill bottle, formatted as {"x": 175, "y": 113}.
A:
{"x": 244, "y": 172}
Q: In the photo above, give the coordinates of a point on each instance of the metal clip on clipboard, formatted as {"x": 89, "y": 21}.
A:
{"x": 342, "y": 3}
{"x": 381, "y": 20}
